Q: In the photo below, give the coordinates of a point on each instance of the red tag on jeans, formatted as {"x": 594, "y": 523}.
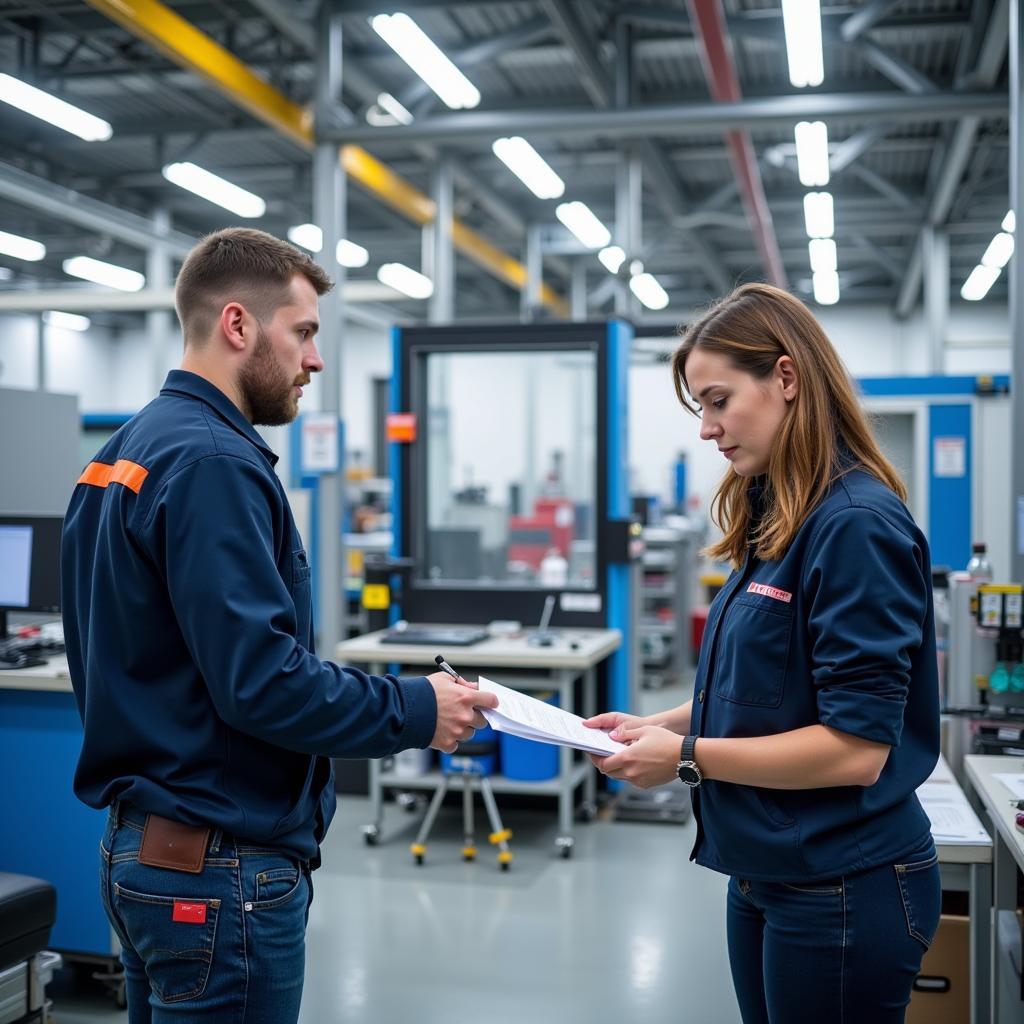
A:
{"x": 189, "y": 913}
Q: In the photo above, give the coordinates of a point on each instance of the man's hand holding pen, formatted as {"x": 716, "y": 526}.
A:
{"x": 458, "y": 704}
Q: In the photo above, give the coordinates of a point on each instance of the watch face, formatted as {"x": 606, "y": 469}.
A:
{"x": 689, "y": 773}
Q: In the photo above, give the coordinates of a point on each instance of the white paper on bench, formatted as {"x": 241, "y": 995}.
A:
{"x": 522, "y": 715}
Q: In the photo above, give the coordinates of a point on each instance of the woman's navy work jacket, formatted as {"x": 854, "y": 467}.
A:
{"x": 839, "y": 631}
{"x": 187, "y": 619}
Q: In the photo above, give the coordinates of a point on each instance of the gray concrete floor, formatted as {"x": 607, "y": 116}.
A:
{"x": 627, "y": 929}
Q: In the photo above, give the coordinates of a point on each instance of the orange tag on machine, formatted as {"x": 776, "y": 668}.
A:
{"x": 189, "y": 913}
{"x": 401, "y": 427}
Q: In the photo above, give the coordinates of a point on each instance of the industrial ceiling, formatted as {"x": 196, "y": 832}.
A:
{"x": 684, "y": 110}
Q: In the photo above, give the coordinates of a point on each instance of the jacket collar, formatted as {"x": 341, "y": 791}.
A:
{"x": 184, "y": 382}
{"x": 757, "y": 494}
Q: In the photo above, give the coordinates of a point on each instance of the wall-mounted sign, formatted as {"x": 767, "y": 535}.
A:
{"x": 950, "y": 456}
{"x": 401, "y": 427}
{"x": 319, "y": 443}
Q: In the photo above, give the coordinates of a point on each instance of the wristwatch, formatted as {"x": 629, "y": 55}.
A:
{"x": 687, "y": 769}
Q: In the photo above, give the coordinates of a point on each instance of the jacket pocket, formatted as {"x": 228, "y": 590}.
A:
{"x": 302, "y": 595}
{"x": 753, "y": 652}
{"x": 178, "y": 954}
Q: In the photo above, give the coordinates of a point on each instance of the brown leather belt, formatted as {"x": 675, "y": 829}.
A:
{"x": 169, "y": 844}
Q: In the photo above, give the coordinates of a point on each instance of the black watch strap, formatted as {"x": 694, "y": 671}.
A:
{"x": 688, "y": 748}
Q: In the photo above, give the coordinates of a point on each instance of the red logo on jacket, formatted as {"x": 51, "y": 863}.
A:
{"x": 773, "y": 592}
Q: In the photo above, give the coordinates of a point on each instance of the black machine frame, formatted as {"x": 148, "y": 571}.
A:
{"x": 423, "y": 601}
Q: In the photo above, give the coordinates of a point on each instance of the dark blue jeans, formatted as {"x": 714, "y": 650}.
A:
{"x": 843, "y": 951}
{"x": 226, "y": 945}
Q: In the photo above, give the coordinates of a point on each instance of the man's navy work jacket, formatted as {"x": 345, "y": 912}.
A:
{"x": 839, "y": 631}
{"x": 187, "y": 619}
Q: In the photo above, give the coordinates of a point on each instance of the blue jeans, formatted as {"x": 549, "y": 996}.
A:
{"x": 226, "y": 945}
{"x": 845, "y": 950}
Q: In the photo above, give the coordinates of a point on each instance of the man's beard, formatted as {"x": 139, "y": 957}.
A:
{"x": 266, "y": 392}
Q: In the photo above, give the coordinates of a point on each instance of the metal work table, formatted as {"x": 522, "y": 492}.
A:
{"x": 967, "y": 867}
{"x": 574, "y": 655}
{"x": 1007, "y": 858}
{"x": 40, "y": 740}
{"x": 52, "y": 677}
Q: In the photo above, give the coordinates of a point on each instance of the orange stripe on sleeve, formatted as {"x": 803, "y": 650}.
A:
{"x": 130, "y": 474}
{"x": 97, "y": 474}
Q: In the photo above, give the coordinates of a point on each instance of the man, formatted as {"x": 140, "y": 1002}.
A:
{"x": 209, "y": 719}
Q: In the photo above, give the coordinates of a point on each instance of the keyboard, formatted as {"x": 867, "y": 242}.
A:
{"x": 451, "y": 636}
{"x": 26, "y": 651}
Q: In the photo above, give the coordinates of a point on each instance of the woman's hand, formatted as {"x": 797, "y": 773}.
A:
{"x": 611, "y": 720}
{"x": 649, "y": 760}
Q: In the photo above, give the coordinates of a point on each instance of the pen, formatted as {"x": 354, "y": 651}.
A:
{"x": 445, "y": 667}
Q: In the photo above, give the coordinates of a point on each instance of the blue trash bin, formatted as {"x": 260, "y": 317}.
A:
{"x": 528, "y": 760}
{"x": 478, "y": 755}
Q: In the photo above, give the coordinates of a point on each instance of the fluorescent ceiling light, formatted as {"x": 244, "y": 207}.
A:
{"x": 420, "y": 52}
{"x": 66, "y": 321}
{"x": 1010, "y": 222}
{"x": 310, "y": 237}
{"x": 21, "y": 248}
{"x": 977, "y": 285}
{"x": 612, "y": 257}
{"x": 646, "y": 288}
{"x": 818, "y": 215}
{"x": 405, "y": 280}
{"x": 812, "y": 152}
{"x": 99, "y": 272}
{"x": 214, "y": 189}
{"x": 999, "y": 251}
{"x": 822, "y": 252}
{"x": 580, "y": 220}
{"x": 56, "y": 112}
{"x": 350, "y": 254}
{"x": 391, "y": 106}
{"x": 529, "y": 167}
{"x": 801, "y": 21}
{"x": 826, "y": 288}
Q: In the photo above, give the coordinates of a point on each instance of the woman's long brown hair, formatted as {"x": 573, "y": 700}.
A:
{"x": 753, "y": 327}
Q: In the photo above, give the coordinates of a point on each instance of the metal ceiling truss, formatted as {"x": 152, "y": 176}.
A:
{"x": 603, "y": 93}
{"x": 872, "y": 209}
{"x": 179, "y": 40}
{"x": 990, "y": 60}
{"x": 681, "y": 119}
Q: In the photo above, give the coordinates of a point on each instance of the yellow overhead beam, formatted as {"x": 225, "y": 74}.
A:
{"x": 387, "y": 186}
{"x": 195, "y": 51}
{"x": 183, "y": 43}
{"x": 394, "y": 190}
{"x": 502, "y": 266}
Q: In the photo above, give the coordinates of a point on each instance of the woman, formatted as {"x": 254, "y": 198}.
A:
{"x": 816, "y": 700}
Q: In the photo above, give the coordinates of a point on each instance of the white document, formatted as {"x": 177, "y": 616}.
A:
{"x": 1013, "y": 782}
{"x": 952, "y": 818}
{"x": 521, "y": 715}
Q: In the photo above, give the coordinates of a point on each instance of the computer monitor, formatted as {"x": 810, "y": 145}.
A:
{"x": 29, "y": 565}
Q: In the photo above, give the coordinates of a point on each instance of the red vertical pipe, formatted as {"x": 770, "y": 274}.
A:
{"x": 709, "y": 20}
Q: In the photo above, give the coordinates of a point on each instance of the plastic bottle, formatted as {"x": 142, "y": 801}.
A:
{"x": 1017, "y": 678}
{"x": 999, "y": 681}
{"x": 554, "y": 569}
{"x": 979, "y": 566}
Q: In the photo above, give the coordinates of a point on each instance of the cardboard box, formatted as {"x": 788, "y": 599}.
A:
{"x": 942, "y": 991}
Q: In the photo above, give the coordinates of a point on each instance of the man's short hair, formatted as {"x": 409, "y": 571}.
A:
{"x": 239, "y": 265}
